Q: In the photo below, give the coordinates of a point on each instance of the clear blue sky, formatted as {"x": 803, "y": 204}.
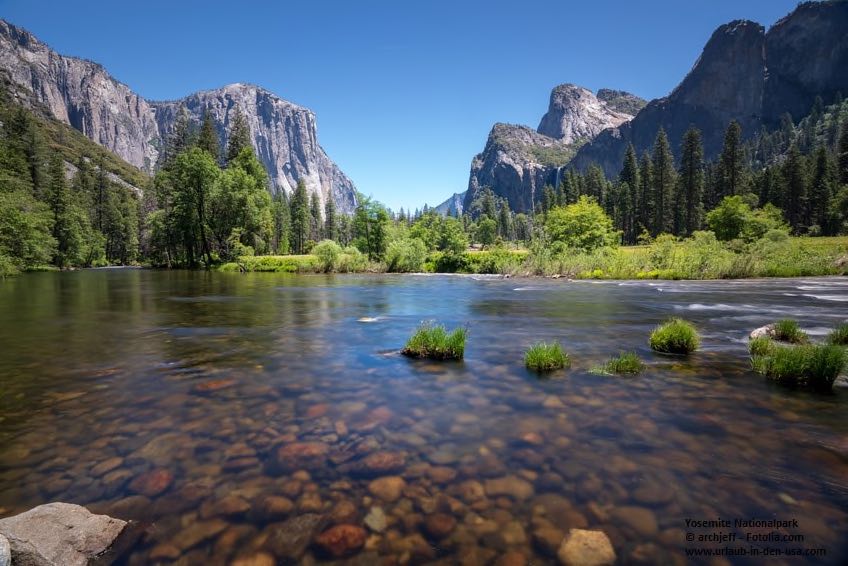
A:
{"x": 405, "y": 92}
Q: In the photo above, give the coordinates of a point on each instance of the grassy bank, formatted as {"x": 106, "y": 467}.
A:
{"x": 700, "y": 257}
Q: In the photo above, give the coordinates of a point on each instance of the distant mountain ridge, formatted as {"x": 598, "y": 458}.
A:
{"x": 83, "y": 94}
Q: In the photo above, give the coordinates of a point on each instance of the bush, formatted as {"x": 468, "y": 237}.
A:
{"x": 328, "y": 253}
{"x": 352, "y": 261}
{"x": 406, "y": 255}
{"x": 436, "y": 343}
{"x": 839, "y": 335}
{"x": 7, "y": 267}
{"x": 542, "y": 357}
{"x": 787, "y": 330}
{"x": 675, "y": 337}
{"x": 813, "y": 366}
{"x": 583, "y": 226}
{"x": 626, "y": 362}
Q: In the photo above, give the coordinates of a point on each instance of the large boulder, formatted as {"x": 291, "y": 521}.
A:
{"x": 59, "y": 534}
{"x": 586, "y": 548}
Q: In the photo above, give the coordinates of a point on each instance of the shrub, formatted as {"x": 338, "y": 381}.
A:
{"x": 352, "y": 261}
{"x": 328, "y": 253}
{"x": 406, "y": 255}
{"x": 436, "y": 343}
{"x": 787, "y": 330}
{"x": 675, "y": 336}
{"x": 7, "y": 267}
{"x": 583, "y": 226}
{"x": 839, "y": 335}
{"x": 542, "y": 357}
{"x": 813, "y": 366}
{"x": 626, "y": 362}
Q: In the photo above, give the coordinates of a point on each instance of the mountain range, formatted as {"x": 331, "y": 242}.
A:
{"x": 83, "y": 94}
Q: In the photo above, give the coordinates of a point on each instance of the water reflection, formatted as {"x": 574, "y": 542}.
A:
{"x": 221, "y": 406}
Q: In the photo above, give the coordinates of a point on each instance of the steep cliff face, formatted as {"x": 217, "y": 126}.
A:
{"x": 453, "y": 206}
{"x": 518, "y": 161}
{"x": 82, "y": 94}
{"x": 744, "y": 74}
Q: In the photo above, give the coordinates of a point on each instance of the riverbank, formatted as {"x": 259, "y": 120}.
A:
{"x": 696, "y": 258}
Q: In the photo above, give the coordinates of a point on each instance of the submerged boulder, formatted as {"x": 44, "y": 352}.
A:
{"x": 586, "y": 548}
{"x": 59, "y": 534}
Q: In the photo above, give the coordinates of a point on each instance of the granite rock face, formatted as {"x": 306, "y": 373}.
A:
{"x": 82, "y": 94}
{"x": 453, "y": 206}
{"x": 518, "y": 161}
{"x": 745, "y": 73}
{"x": 59, "y": 534}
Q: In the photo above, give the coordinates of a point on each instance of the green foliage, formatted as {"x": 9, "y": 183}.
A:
{"x": 370, "y": 223}
{"x": 733, "y": 218}
{"x": 813, "y": 366}
{"x": 625, "y": 363}
{"x": 761, "y": 346}
{"x": 406, "y": 255}
{"x": 435, "y": 342}
{"x": 787, "y": 330}
{"x": 487, "y": 231}
{"x": 545, "y": 357}
{"x": 583, "y": 226}
{"x": 675, "y": 336}
{"x": 329, "y": 254}
{"x": 839, "y": 335}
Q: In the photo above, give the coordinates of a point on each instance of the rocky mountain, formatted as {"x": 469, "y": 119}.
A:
{"x": 744, "y": 73}
{"x": 453, "y": 206}
{"x": 84, "y": 95}
{"x": 518, "y": 161}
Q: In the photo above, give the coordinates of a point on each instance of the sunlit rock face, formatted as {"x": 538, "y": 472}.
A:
{"x": 84, "y": 95}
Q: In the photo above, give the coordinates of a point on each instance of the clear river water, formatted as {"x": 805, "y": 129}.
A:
{"x": 239, "y": 416}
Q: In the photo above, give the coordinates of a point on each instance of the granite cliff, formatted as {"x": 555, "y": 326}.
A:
{"x": 83, "y": 94}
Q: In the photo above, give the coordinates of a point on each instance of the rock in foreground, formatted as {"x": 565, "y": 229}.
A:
{"x": 586, "y": 548}
{"x": 59, "y": 533}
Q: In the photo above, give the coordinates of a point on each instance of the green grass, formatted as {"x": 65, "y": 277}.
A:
{"x": 787, "y": 330}
{"x": 839, "y": 335}
{"x": 624, "y": 363}
{"x": 675, "y": 336}
{"x": 812, "y": 366}
{"x": 436, "y": 343}
{"x": 275, "y": 263}
{"x": 543, "y": 357}
{"x": 761, "y": 346}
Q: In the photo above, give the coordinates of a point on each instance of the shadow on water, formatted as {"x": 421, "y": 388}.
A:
{"x": 203, "y": 377}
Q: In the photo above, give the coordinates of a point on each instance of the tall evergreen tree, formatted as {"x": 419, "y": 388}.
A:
{"x": 691, "y": 181}
{"x": 315, "y": 223}
{"x": 664, "y": 182}
{"x": 282, "y": 222}
{"x": 731, "y": 162}
{"x": 60, "y": 204}
{"x": 842, "y": 153}
{"x": 331, "y": 230}
{"x": 239, "y": 135}
{"x": 300, "y": 217}
{"x": 505, "y": 222}
{"x": 489, "y": 207}
{"x": 795, "y": 180}
{"x": 208, "y": 138}
{"x": 630, "y": 176}
{"x": 646, "y": 193}
{"x": 821, "y": 190}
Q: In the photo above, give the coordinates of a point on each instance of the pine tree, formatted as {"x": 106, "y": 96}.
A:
{"x": 821, "y": 190}
{"x": 731, "y": 162}
{"x": 331, "y": 231}
{"x": 299, "y": 217}
{"x": 505, "y": 222}
{"x": 646, "y": 192}
{"x": 663, "y": 184}
{"x": 548, "y": 199}
{"x": 691, "y": 182}
{"x": 282, "y": 222}
{"x": 178, "y": 140}
{"x": 630, "y": 176}
{"x": 795, "y": 180}
{"x": 239, "y": 135}
{"x": 314, "y": 217}
{"x": 842, "y": 154}
{"x": 489, "y": 207}
{"x": 208, "y": 138}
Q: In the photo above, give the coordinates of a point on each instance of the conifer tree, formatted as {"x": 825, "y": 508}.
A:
{"x": 646, "y": 193}
{"x": 299, "y": 217}
{"x": 315, "y": 223}
{"x": 239, "y": 135}
{"x": 207, "y": 140}
{"x": 691, "y": 182}
{"x": 663, "y": 184}
{"x": 331, "y": 230}
{"x": 282, "y": 222}
{"x": 505, "y": 222}
{"x": 821, "y": 190}
{"x": 795, "y": 180}
{"x": 731, "y": 162}
{"x": 842, "y": 153}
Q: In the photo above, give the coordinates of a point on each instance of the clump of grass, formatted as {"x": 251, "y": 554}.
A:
{"x": 542, "y": 357}
{"x": 839, "y": 335}
{"x": 813, "y": 366}
{"x": 675, "y": 336}
{"x": 626, "y": 362}
{"x": 787, "y": 330}
{"x": 761, "y": 346}
{"x": 435, "y": 342}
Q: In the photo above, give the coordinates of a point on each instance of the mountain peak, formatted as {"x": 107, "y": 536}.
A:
{"x": 576, "y": 114}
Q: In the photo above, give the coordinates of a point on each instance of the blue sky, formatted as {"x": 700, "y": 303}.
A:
{"x": 405, "y": 93}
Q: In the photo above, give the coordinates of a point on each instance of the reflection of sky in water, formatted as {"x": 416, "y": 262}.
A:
{"x": 111, "y": 359}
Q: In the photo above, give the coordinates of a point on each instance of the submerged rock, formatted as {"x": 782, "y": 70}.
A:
{"x": 388, "y": 488}
{"x": 512, "y": 486}
{"x": 289, "y": 540}
{"x": 341, "y": 540}
{"x": 59, "y": 533}
{"x": 586, "y": 548}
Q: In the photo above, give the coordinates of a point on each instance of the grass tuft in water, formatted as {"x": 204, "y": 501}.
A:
{"x": 675, "y": 336}
{"x": 839, "y": 335}
{"x": 435, "y": 342}
{"x": 542, "y": 357}
{"x": 626, "y": 362}
{"x": 761, "y": 346}
{"x": 813, "y": 366}
{"x": 787, "y": 330}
